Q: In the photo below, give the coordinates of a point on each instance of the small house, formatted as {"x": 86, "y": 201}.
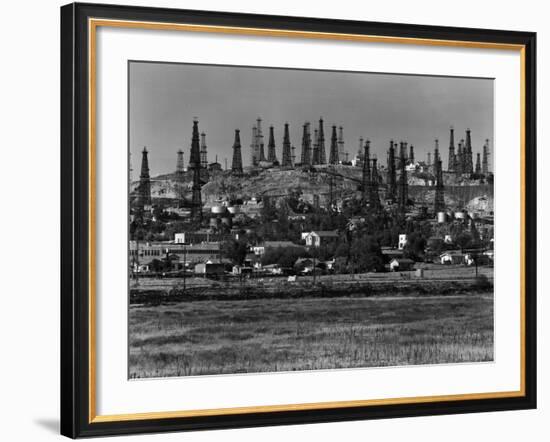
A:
{"x": 402, "y": 242}
{"x": 320, "y": 237}
{"x": 452, "y": 257}
{"x": 401, "y": 264}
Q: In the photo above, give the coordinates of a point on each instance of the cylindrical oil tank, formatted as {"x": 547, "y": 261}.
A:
{"x": 460, "y": 215}
{"x": 214, "y": 222}
{"x": 233, "y": 210}
{"x": 441, "y": 217}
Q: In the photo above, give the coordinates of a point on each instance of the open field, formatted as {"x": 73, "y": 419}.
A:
{"x": 259, "y": 335}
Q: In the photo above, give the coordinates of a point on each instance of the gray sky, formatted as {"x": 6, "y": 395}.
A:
{"x": 164, "y": 98}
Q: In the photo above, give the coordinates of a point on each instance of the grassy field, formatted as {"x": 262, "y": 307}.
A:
{"x": 214, "y": 337}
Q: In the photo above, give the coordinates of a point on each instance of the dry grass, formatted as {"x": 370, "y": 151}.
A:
{"x": 214, "y": 337}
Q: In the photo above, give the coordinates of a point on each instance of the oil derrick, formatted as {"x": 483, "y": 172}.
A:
{"x": 237, "y": 164}
{"x": 478, "y": 163}
{"x": 341, "y": 152}
{"x": 439, "y": 201}
{"x": 333, "y": 158}
{"x": 204, "y": 157}
{"x": 451, "y": 165}
{"x": 260, "y": 140}
{"x": 144, "y": 189}
{"x": 287, "y": 151}
{"x": 459, "y": 163}
{"x": 253, "y": 148}
{"x": 402, "y": 154}
{"x": 330, "y": 191}
{"x": 257, "y": 145}
{"x": 315, "y": 158}
{"x": 321, "y": 141}
{"x": 180, "y": 176}
{"x": 179, "y": 163}
{"x": 366, "y": 178}
{"x": 406, "y": 152}
{"x": 392, "y": 178}
{"x": 485, "y": 161}
{"x": 360, "y": 152}
{"x": 469, "y": 158}
{"x": 374, "y": 197}
{"x": 411, "y": 154}
{"x": 306, "y": 146}
{"x": 429, "y": 159}
{"x": 437, "y": 157}
{"x": 195, "y": 166}
{"x": 403, "y": 183}
{"x": 271, "y": 154}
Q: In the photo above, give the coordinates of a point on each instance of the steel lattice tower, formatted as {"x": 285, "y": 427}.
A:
{"x": 360, "y": 152}
{"x": 392, "y": 178}
{"x": 469, "y": 157}
{"x": 403, "y": 183}
{"x": 321, "y": 142}
{"x": 333, "y": 158}
{"x": 179, "y": 163}
{"x": 437, "y": 157}
{"x": 341, "y": 152}
{"x": 451, "y": 165}
{"x": 254, "y": 147}
{"x": 271, "y": 153}
{"x": 478, "y": 163}
{"x": 195, "y": 166}
{"x": 315, "y": 157}
{"x": 366, "y": 178}
{"x": 459, "y": 164}
{"x": 374, "y": 197}
{"x": 287, "y": 150}
{"x": 306, "y": 146}
{"x": 237, "y": 164}
{"x": 144, "y": 189}
{"x": 485, "y": 161}
{"x": 411, "y": 154}
{"x": 402, "y": 153}
{"x": 439, "y": 201}
{"x": 180, "y": 177}
{"x": 204, "y": 157}
{"x": 260, "y": 141}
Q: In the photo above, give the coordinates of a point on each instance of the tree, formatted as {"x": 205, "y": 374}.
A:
{"x": 284, "y": 256}
{"x": 342, "y": 250}
{"x": 235, "y": 250}
{"x": 365, "y": 254}
{"x": 414, "y": 249}
{"x": 464, "y": 240}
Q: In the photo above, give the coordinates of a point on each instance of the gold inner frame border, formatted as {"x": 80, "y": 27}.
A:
{"x": 93, "y": 24}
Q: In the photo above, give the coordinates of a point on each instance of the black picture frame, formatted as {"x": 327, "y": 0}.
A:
{"x": 75, "y": 220}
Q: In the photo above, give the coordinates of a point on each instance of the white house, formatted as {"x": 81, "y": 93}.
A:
{"x": 320, "y": 237}
{"x": 402, "y": 241}
{"x": 452, "y": 257}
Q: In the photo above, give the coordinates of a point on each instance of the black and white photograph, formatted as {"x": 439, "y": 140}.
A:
{"x": 289, "y": 219}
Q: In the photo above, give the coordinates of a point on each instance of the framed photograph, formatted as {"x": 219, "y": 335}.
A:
{"x": 274, "y": 220}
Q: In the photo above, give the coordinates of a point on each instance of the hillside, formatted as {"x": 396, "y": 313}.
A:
{"x": 345, "y": 183}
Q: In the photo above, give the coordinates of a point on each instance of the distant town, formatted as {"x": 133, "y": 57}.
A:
{"x": 311, "y": 214}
